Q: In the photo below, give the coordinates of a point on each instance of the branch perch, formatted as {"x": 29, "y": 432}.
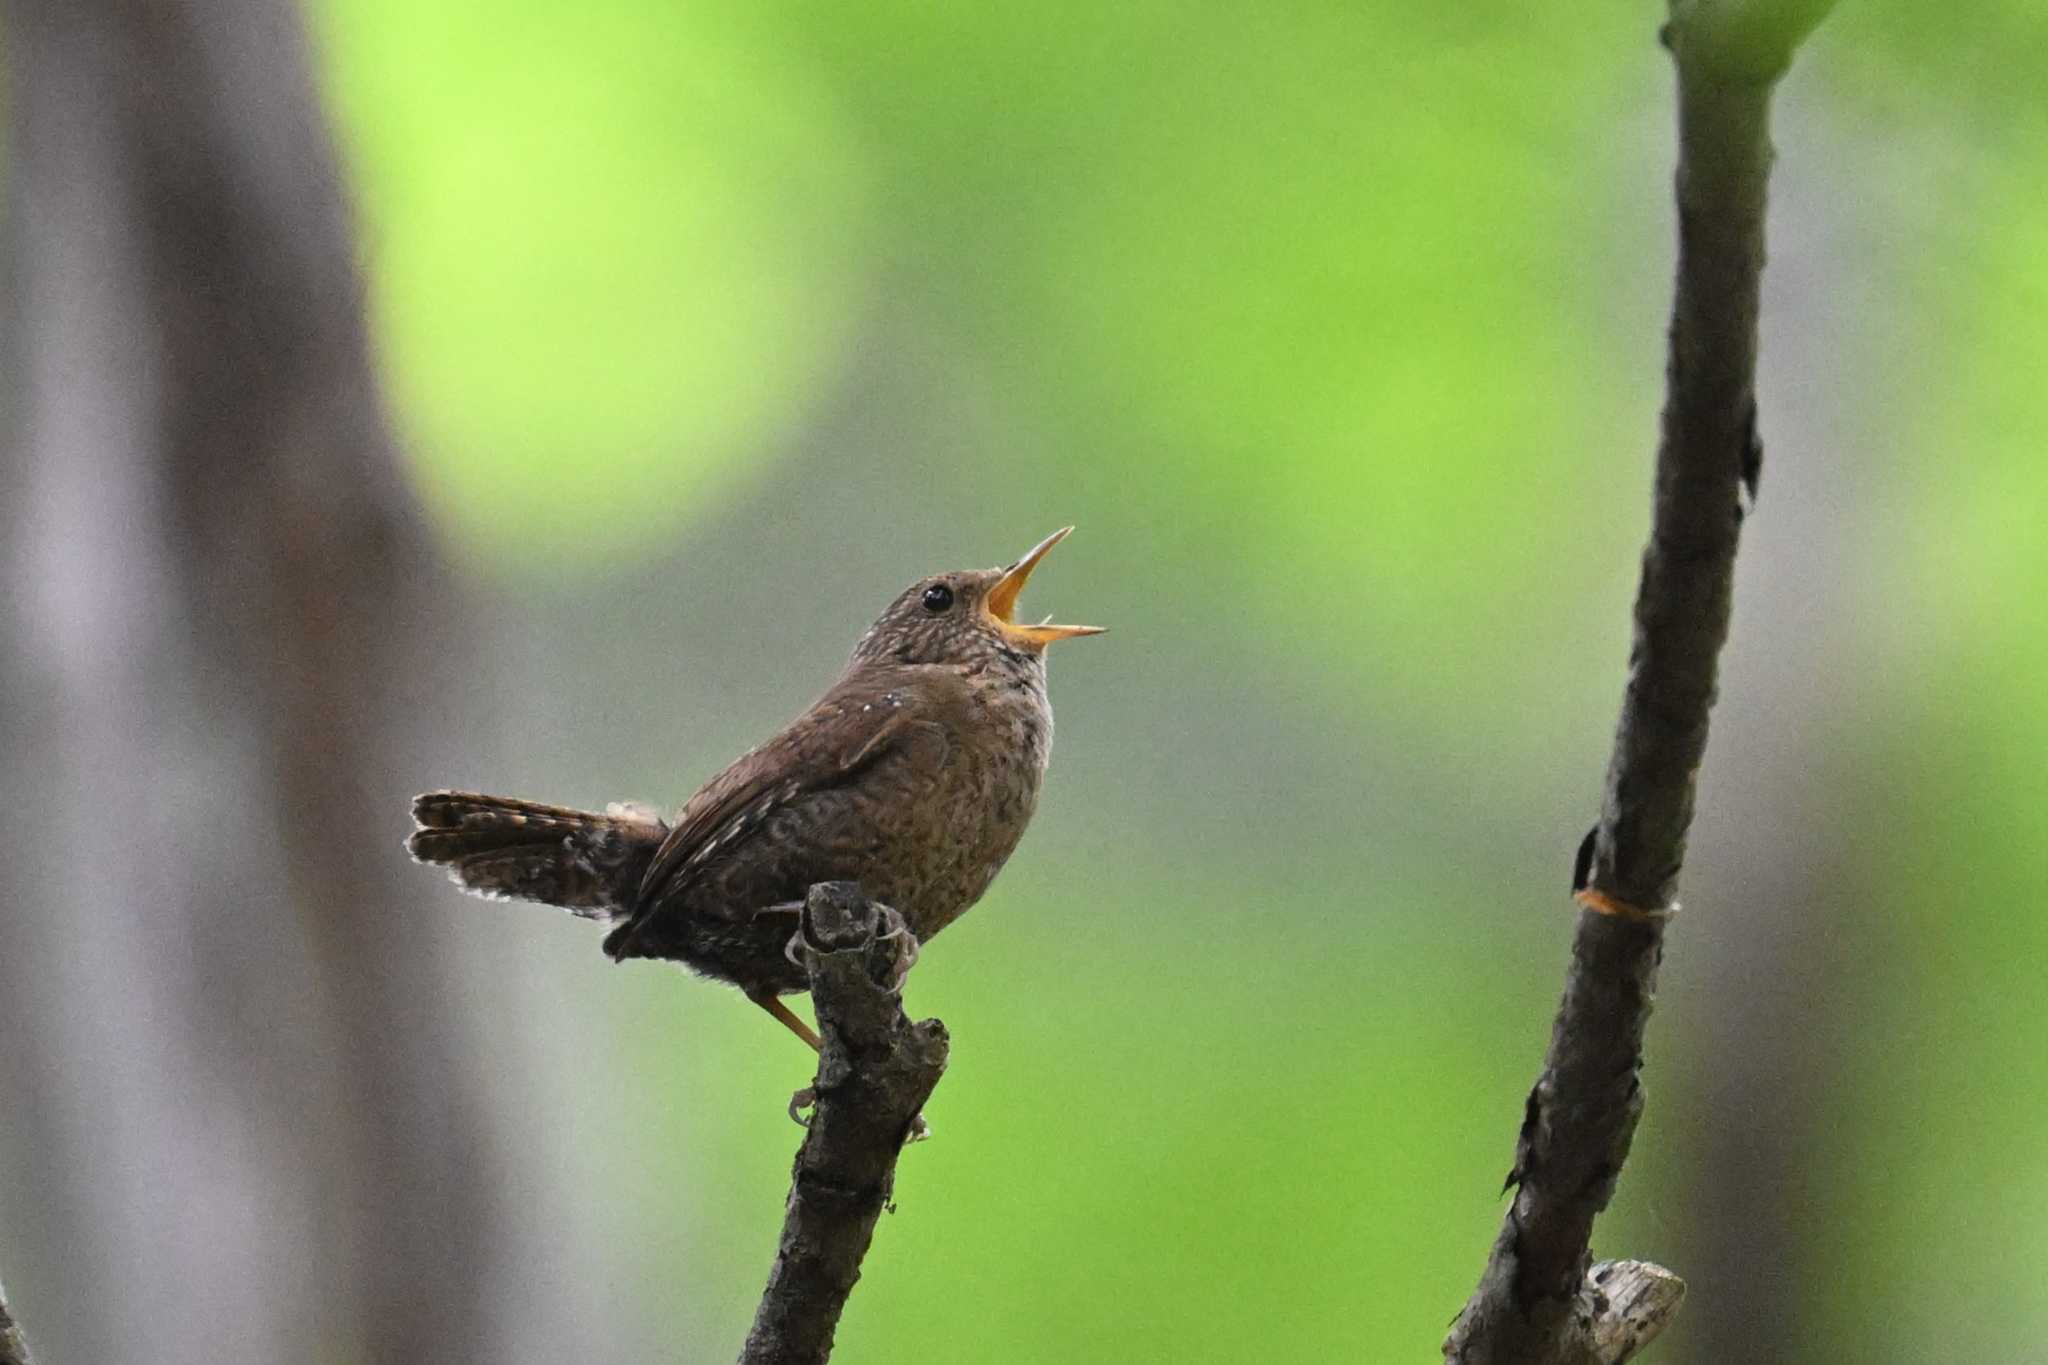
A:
{"x": 1539, "y": 1302}
{"x": 875, "y": 1073}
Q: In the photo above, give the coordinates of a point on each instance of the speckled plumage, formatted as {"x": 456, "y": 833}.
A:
{"x": 914, "y": 775}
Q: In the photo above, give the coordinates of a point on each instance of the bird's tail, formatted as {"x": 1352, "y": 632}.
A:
{"x": 583, "y": 861}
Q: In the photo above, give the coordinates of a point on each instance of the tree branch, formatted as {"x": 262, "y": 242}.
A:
{"x": 1537, "y": 1302}
{"x": 874, "y": 1076}
{"x": 13, "y": 1346}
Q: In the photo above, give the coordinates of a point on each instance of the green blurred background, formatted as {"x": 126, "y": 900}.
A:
{"x": 1338, "y": 330}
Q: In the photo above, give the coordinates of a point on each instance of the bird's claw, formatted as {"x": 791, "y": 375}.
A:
{"x": 807, "y": 1098}
{"x": 895, "y": 927}
{"x": 803, "y": 1099}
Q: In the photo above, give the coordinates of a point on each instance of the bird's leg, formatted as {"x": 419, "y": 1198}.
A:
{"x": 808, "y": 1096}
{"x": 773, "y": 1004}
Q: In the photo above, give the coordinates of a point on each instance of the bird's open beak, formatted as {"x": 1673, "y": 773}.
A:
{"x": 1002, "y": 599}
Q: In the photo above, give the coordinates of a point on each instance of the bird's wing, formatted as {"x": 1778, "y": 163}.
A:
{"x": 847, "y": 732}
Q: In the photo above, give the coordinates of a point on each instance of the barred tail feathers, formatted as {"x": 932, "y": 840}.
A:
{"x": 586, "y": 862}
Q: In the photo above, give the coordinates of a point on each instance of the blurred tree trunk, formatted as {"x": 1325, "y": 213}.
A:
{"x": 219, "y": 610}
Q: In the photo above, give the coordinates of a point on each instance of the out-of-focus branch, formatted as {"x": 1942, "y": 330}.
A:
{"x": 13, "y": 1346}
{"x": 874, "y": 1076}
{"x": 1537, "y": 1300}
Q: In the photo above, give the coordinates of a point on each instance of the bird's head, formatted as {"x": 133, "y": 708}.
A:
{"x": 967, "y": 616}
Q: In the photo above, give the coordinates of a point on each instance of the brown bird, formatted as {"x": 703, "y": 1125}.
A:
{"x": 913, "y": 775}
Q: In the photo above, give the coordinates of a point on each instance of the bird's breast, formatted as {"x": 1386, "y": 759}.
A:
{"x": 985, "y": 796}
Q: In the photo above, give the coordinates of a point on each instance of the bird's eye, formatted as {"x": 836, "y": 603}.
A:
{"x": 937, "y": 598}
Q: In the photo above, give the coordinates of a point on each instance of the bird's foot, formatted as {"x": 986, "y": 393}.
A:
{"x": 895, "y": 927}
{"x": 806, "y": 1100}
{"x": 793, "y": 951}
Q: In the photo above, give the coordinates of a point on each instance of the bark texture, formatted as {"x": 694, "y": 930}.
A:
{"x": 874, "y": 1076}
{"x": 1533, "y": 1302}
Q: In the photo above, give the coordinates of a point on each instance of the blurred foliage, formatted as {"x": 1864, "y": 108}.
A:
{"x": 589, "y": 332}
{"x": 634, "y": 248}
{"x": 1952, "y": 1074}
{"x": 1113, "y": 1177}
{"x": 1340, "y": 327}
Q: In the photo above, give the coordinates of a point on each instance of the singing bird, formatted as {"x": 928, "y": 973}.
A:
{"x": 914, "y": 775}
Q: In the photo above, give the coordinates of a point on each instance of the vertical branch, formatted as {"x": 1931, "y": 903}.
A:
{"x": 1537, "y": 1301}
{"x": 875, "y": 1073}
